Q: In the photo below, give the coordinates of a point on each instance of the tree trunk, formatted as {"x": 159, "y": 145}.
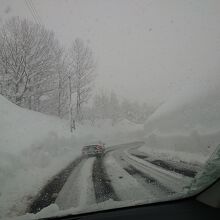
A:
{"x": 59, "y": 96}
{"x": 78, "y": 105}
{"x": 72, "y": 121}
{"x": 18, "y": 101}
{"x": 29, "y": 102}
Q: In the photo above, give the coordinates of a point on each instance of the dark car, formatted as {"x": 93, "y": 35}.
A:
{"x": 93, "y": 150}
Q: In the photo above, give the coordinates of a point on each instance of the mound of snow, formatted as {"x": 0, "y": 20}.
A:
{"x": 19, "y": 128}
{"x": 33, "y": 148}
{"x": 188, "y": 122}
{"x": 195, "y": 108}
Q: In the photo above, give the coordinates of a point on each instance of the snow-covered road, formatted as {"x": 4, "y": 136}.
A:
{"x": 118, "y": 176}
{"x": 78, "y": 189}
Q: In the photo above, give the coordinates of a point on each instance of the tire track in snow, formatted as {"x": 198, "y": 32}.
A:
{"x": 78, "y": 190}
{"x": 50, "y": 191}
{"x": 173, "y": 166}
{"x": 126, "y": 186}
{"x": 102, "y": 186}
{"x": 154, "y": 188}
{"x": 147, "y": 180}
{"x": 173, "y": 181}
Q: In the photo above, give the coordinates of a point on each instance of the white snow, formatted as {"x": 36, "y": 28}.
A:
{"x": 34, "y": 147}
{"x": 187, "y": 126}
{"x": 125, "y": 186}
{"x": 151, "y": 191}
{"x": 78, "y": 191}
{"x": 172, "y": 180}
{"x": 20, "y": 128}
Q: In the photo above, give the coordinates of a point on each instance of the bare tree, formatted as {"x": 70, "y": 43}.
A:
{"x": 82, "y": 67}
{"x": 71, "y": 106}
{"x": 62, "y": 84}
{"x": 61, "y": 72}
{"x": 28, "y": 57}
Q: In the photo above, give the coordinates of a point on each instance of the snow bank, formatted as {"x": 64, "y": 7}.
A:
{"x": 187, "y": 126}
{"x": 33, "y": 148}
{"x": 19, "y": 127}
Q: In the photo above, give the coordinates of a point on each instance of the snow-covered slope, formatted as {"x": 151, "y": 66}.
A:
{"x": 188, "y": 124}
{"x": 33, "y": 148}
{"x": 195, "y": 108}
{"x": 19, "y": 128}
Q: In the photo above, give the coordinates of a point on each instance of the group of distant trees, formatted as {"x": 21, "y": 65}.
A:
{"x": 37, "y": 73}
{"x": 108, "y": 106}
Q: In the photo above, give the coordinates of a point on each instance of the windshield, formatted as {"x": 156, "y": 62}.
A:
{"x": 106, "y": 104}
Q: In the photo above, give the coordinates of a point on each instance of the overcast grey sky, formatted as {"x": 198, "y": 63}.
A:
{"x": 145, "y": 49}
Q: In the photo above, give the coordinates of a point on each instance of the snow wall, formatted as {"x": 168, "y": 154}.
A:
{"x": 188, "y": 122}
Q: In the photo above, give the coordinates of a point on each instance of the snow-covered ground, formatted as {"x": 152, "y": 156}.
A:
{"x": 171, "y": 180}
{"x": 81, "y": 192}
{"x": 187, "y": 126}
{"x": 34, "y": 147}
{"x": 79, "y": 182}
{"x": 122, "y": 182}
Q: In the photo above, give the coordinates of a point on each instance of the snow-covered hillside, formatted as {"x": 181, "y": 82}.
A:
{"x": 19, "y": 128}
{"x": 187, "y": 126}
{"x": 33, "y": 147}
